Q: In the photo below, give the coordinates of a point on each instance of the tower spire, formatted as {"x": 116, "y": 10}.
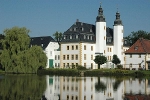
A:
{"x": 117, "y": 21}
{"x": 100, "y": 17}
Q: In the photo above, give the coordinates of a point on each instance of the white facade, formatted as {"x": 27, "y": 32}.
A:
{"x": 77, "y": 54}
{"x": 50, "y": 53}
{"x": 135, "y": 61}
{"x": 118, "y": 42}
{"x": 100, "y": 37}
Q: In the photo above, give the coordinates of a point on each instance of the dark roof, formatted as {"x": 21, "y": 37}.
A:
{"x": 41, "y": 41}
{"x": 80, "y": 32}
{"x": 83, "y": 32}
{"x": 140, "y": 46}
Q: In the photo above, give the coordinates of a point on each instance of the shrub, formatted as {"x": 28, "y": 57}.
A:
{"x": 119, "y": 66}
{"x": 79, "y": 67}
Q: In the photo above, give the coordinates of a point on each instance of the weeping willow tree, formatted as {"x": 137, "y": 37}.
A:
{"x": 16, "y": 56}
{"x": 22, "y": 87}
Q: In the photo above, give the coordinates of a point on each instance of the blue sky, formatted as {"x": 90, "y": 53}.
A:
{"x": 45, "y": 17}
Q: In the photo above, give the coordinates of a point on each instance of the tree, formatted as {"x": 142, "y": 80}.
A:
{"x": 99, "y": 59}
{"x": 16, "y": 53}
{"x": 100, "y": 86}
{"x": 134, "y": 36}
{"x": 116, "y": 60}
{"x": 58, "y": 36}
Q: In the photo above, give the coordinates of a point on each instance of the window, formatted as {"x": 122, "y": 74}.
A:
{"x": 104, "y": 28}
{"x": 104, "y": 37}
{"x": 139, "y": 55}
{"x": 67, "y": 47}
{"x": 67, "y": 64}
{"x": 91, "y": 96}
{"x": 84, "y": 56}
{"x": 70, "y": 37}
{"x": 67, "y": 57}
{"x": 110, "y": 57}
{"x": 55, "y": 57}
{"x": 72, "y": 57}
{"x": 76, "y": 47}
{"x": 50, "y": 53}
{"x": 91, "y": 48}
{"x": 139, "y": 65}
{"x": 104, "y": 51}
{"x": 72, "y": 47}
{"x": 64, "y": 64}
{"x": 63, "y": 57}
{"x": 130, "y": 55}
{"x": 110, "y": 50}
{"x": 84, "y": 64}
{"x": 91, "y": 65}
{"x": 91, "y": 37}
{"x": 55, "y": 64}
{"x": 58, "y": 57}
{"x": 84, "y": 97}
{"x": 76, "y": 57}
{"x": 84, "y": 47}
{"x": 76, "y": 36}
{"x": 91, "y": 57}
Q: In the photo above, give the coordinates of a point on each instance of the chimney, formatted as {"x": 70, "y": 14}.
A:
{"x": 77, "y": 20}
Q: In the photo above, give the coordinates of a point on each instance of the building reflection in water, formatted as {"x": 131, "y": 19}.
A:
{"x": 95, "y": 88}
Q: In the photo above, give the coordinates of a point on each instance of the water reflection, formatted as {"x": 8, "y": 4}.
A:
{"x": 22, "y": 87}
{"x": 96, "y": 88}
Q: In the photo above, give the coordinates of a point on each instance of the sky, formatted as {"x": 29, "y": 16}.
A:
{"x": 45, "y": 17}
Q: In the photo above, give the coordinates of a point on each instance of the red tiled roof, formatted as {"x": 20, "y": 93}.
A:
{"x": 137, "y": 97}
{"x": 140, "y": 46}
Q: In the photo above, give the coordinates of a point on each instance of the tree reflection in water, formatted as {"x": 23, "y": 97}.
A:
{"x": 22, "y": 87}
{"x": 100, "y": 86}
{"x": 117, "y": 83}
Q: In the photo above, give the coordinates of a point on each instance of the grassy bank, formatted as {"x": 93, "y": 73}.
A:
{"x": 95, "y": 72}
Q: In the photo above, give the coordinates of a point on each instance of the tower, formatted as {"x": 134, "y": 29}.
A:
{"x": 100, "y": 32}
{"x": 118, "y": 37}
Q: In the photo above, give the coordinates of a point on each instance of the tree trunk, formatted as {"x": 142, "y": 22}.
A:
{"x": 98, "y": 66}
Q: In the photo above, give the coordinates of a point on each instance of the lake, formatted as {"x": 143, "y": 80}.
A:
{"x": 34, "y": 87}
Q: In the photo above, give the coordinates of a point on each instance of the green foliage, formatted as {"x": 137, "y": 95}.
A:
{"x": 99, "y": 59}
{"x": 58, "y": 36}
{"x": 100, "y": 86}
{"x": 116, "y": 60}
{"x": 22, "y": 87}
{"x": 79, "y": 67}
{"x": 16, "y": 56}
{"x": 119, "y": 66}
{"x": 134, "y": 36}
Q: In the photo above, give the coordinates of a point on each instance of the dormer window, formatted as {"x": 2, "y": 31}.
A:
{"x": 90, "y": 30}
{"x": 136, "y": 48}
{"x": 70, "y": 37}
{"x": 82, "y": 29}
{"x": 76, "y": 36}
{"x": 42, "y": 45}
{"x": 125, "y": 42}
{"x": 84, "y": 37}
{"x": 74, "y": 29}
{"x": 64, "y": 37}
{"x": 87, "y": 37}
{"x": 70, "y": 29}
{"x": 81, "y": 23}
{"x": 91, "y": 37}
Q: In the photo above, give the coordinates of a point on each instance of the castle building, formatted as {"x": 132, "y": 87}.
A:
{"x": 82, "y": 42}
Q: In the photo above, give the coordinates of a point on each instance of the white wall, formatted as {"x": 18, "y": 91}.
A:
{"x": 134, "y": 60}
{"x": 49, "y": 50}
